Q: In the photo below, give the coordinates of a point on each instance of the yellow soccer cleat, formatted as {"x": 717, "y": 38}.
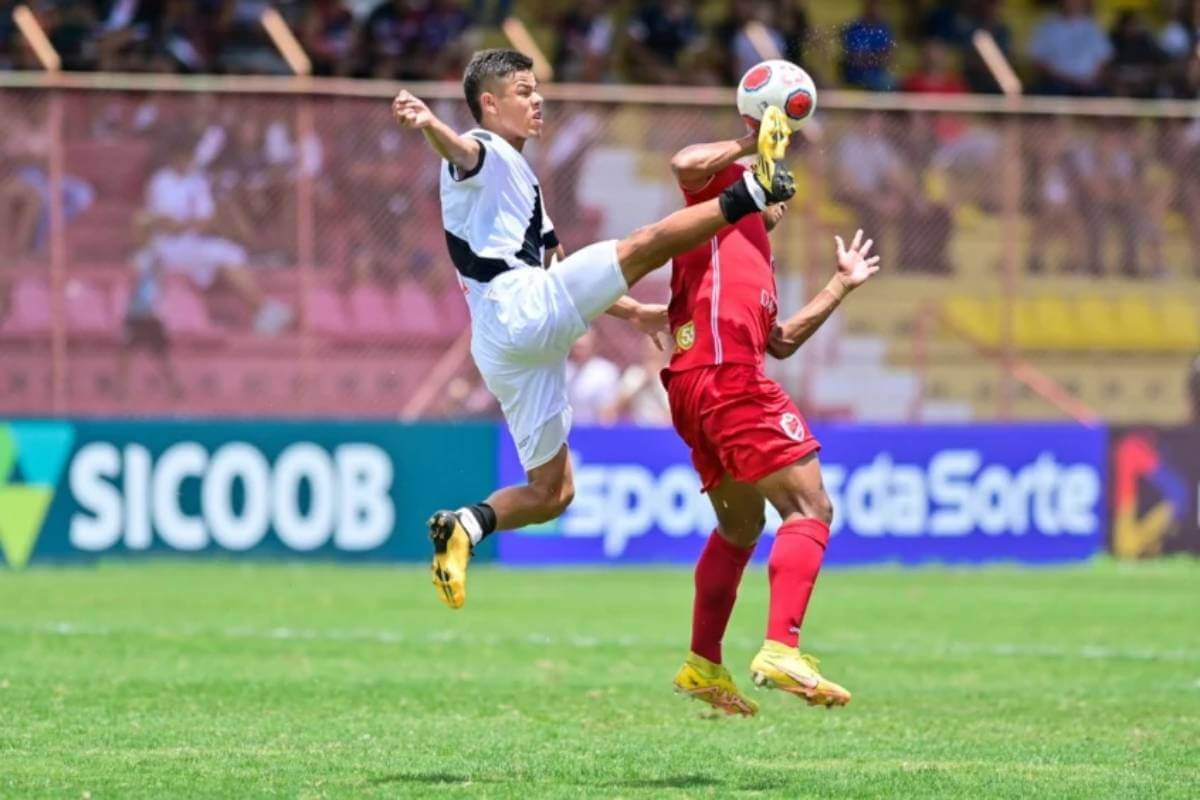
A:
{"x": 451, "y": 552}
{"x": 778, "y": 666}
{"x": 712, "y": 683}
{"x": 773, "y": 137}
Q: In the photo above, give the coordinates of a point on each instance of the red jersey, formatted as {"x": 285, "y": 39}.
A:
{"x": 723, "y": 297}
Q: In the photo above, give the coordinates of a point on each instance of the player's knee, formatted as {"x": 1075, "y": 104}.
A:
{"x": 742, "y": 534}
{"x": 553, "y": 499}
{"x": 566, "y": 494}
{"x": 819, "y": 507}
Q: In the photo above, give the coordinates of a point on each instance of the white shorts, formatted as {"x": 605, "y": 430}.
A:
{"x": 523, "y": 324}
{"x": 198, "y": 256}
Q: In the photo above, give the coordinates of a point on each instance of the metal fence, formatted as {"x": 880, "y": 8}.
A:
{"x": 1041, "y": 258}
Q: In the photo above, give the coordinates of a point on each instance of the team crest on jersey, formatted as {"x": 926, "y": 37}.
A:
{"x": 792, "y": 426}
{"x": 685, "y": 336}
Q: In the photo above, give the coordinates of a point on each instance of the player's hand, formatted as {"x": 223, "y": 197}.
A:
{"x": 410, "y": 111}
{"x": 773, "y": 214}
{"x": 854, "y": 267}
{"x": 651, "y": 319}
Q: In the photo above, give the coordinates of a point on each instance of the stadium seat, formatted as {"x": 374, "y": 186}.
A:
{"x": 29, "y": 313}
{"x": 89, "y": 311}
{"x": 976, "y": 318}
{"x": 327, "y": 312}
{"x": 1054, "y": 319}
{"x": 416, "y": 312}
{"x": 1138, "y": 327}
{"x": 1096, "y": 317}
{"x": 1181, "y": 325}
{"x": 184, "y": 313}
{"x": 371, "y": 312}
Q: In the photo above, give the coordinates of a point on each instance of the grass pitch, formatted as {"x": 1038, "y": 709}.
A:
{"x": 226, "y": 680}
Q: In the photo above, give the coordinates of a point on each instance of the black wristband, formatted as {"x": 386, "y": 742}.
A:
{"x": 736, "y": 202}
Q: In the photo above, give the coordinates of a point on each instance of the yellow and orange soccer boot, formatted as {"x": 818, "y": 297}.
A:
{"x": 711, "y": 683}
{"x": 451, "y": 552}
{"x": 778, "y": 666}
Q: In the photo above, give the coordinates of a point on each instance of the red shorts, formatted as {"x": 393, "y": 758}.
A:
{"x": 736, "y": 420}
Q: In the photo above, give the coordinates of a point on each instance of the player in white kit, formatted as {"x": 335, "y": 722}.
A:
{"x": 527, "y": 307}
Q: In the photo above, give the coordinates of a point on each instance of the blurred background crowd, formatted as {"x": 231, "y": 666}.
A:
{"x": 1136, "y": 48}
{"x": 218, "y": 245}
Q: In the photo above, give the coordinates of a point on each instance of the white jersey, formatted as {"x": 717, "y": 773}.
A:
{"x": 523, "y": 318}
{"x": 494, "y": 216}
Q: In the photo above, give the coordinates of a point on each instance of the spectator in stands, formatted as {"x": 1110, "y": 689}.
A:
{"x": 659, "y": 36}
{"x": 1138, "y": 63}
{"x": 8, "y": 34}
{"x": 797, "y": 32}
{"x": 585, "y": 43}
{"x": 242, "y": 46}
{"x": 1193, "y": 390}
{"x": 250, "y": 178}
{"x": 1107, "y": 194}
{"x": 954, "y": 146}
{"x": 413, "y": 39}
{"x": 875, "y": 181}
{"x": 71, "y": 26}
{"x": 867, "y": 46}
{"x": 746, "y": 33}
{"x": 169, "y": 36}
{"x": 25, "y": 183}
{"x": 178, "y": 222}
{"x": 642, "y": 399}
{"x": 983, "y": 15}
{"x": 936, "y": 73}
{"x": 1055, "y": 201}
{"x": 328, "y": 33}
{"x": 144, "y": 328}
{"x": 593, "y": 383}
{"x": 1183, "y": 139}
{"x": 1178, "y": 41}
{"x": 1070, "y": 51}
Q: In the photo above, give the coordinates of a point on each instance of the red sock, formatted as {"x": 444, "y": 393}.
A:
{"x": 718, "y": 573}
{"x": 792, "y": 569}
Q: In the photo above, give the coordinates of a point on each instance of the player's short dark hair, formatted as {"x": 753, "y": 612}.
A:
{"x": 486, "y": 65}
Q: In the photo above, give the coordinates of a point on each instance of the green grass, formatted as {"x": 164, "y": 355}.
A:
{"x": 224, "y": 680}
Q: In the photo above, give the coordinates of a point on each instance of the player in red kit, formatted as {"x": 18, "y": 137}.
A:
{"x": 749, "y": 442}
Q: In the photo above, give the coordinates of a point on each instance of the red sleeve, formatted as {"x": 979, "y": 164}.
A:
{"x": 716, "y": 184}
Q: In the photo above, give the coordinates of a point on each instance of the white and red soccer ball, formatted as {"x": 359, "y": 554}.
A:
{"x": 776, "y": 83}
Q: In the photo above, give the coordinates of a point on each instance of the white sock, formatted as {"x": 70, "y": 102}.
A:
{"x": 757, "y": 193}
{"x": 466, "y": 517}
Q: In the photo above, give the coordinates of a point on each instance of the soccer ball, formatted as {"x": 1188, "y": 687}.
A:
{"x": 776, "y": 83}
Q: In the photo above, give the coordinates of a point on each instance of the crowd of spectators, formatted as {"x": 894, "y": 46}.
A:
{"x": 1146, "y": 49}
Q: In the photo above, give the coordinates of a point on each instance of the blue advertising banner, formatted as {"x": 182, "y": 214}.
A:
{"x": 83, "y": 488}
{"x": 954, "y": 494}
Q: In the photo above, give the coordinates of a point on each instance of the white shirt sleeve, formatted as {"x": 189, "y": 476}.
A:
{"x": 489, "y": 158}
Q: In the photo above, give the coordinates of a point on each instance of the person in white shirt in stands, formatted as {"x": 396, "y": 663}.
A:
{"x": 179, "y": 215}
{"x": 1070, "y": 51}
{"x": 593, "y": 383}
{"x": 643, "y": 399}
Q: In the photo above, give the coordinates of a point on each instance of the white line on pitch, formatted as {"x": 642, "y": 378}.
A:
{"x": 389, "y": 637}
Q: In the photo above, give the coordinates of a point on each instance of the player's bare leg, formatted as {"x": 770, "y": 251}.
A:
{"x": 455, "y": 533}
{"x": 798, "y": 493}
{"x": 648, "y": 248}
{"x": 740, "y": 522}
{"x": 550, "y": 489}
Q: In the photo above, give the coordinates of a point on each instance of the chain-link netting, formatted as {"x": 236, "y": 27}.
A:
{"x": 282, "y": 255}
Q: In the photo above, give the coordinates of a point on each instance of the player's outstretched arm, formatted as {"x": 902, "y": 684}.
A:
{"x": 695, "y": 164}
{"x": 412, "y": 113}
{"x": 854, "y": 268}
{"x": 649, "y": 318}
